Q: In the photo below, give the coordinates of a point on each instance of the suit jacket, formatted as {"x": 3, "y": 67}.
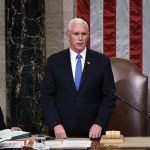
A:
{"x": 2, "y": 124}
{"x": 78, "y": 110}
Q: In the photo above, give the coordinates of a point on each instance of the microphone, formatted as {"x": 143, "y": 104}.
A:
{"x": 121, "y": 99}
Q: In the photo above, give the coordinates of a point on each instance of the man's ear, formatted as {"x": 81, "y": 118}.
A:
{"x": 68, "y": 36}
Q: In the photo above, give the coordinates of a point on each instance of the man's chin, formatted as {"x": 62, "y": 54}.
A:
{"x": 80, "y": 49}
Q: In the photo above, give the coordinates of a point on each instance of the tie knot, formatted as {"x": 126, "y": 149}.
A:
{"x": 78, "y": 56}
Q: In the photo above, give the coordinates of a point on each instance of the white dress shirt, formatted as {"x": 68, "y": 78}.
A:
{"x": 74, "y": 60}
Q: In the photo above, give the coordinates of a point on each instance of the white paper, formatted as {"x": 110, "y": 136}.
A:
{"x": 76, "y": 143}
{"x": 4, "y": 139}
{"x": 48, "y": 144}
{"x": 11, "y": 144}
{"x": 53, "y": 143}
{"x": 9, "y": 133}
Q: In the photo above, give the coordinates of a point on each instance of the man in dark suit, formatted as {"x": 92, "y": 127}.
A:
{"x": 84, "y": 110}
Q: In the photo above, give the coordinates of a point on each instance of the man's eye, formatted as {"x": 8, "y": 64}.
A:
{"x": 84, "y": 33}
{"x": 76, "y": 33}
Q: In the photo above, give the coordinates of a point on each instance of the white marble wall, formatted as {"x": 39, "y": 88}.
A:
{"x": 57, "y": 15}
{"x": 68, "y": 13}
{"x": 54, "y": 26}
{"x": 2, "y": 58}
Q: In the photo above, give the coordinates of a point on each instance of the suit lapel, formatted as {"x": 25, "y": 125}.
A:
{"x": 69, "y": 69}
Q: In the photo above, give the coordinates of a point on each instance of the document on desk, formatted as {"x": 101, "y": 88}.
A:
{"x": 76, "y": 143}
{"x": 53, "y": 143}
{"x": 7, "y": 133}
{"x": 11, "y": 144}
{"x": 15, "y": 143}
{"x": 68, "y": 143}
{"x": 4, "y": 139}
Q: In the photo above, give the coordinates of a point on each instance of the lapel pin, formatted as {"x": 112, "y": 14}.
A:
{"x": 88, "y": 62}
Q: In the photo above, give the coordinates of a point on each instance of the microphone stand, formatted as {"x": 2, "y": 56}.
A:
{"x": 120, "y": 98}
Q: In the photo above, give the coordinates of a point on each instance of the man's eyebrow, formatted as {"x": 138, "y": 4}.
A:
{"x": 80, "y": 32}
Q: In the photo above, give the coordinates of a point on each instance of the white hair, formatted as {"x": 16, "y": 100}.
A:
{"x": 76, "y": 20}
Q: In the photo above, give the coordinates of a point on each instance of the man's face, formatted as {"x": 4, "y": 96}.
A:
{"x": 78, "y": 37}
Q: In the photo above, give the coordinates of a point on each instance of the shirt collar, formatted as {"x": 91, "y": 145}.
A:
{"x": 73, "y": 54}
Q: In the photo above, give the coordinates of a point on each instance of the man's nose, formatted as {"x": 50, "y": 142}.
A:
{"x": 80, "y": 36}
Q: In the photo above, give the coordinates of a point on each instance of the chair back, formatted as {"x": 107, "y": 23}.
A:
{"x": 132, "y": 85}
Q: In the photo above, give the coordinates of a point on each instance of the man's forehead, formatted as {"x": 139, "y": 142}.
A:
{"x": 79, "y": 28}
{"x": 78, "y": 24}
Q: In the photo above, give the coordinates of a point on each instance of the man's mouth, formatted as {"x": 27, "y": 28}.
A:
{"x": 80, "y": 43}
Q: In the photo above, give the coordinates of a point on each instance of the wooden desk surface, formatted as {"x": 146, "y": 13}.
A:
{"x": 98, "y": 147}
{"x": 130, "y": 143}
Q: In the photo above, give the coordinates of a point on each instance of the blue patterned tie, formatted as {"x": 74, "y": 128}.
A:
{"x": 78, "y": 71}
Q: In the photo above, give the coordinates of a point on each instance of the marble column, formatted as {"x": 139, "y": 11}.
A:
{"x": 25, "y": 60}
{"x": 2, "y": 59}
